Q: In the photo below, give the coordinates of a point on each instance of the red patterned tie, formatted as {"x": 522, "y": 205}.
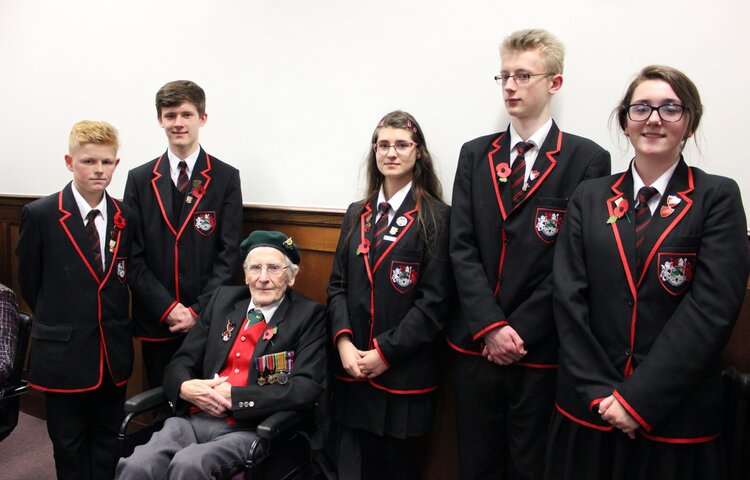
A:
{"x": 642, "y": 219}
{"x": 94, "y": 241}
{"x": 380, "y": 227}
{"x": 182, "y": 179}
{"x": 518, "y": 173}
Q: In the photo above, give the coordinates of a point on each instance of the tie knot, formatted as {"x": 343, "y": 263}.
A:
{"x": 182, "y": 166}
{"x": 384, "y": 207}
{"x": 523, "y": 147}
{"x": 92, "y": 215}
{"x": 645, "y": 194}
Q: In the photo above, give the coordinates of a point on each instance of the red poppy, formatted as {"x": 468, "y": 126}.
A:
{"x": 269, "y": 333}
{"x": 199, "y": 191}
{"x": 503, "y": 170}
{"x": 119, "y": 221}
{"x": 621, "y": 208}
{"x": 363, "y": 247}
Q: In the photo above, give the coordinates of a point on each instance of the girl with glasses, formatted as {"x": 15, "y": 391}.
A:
{"x": 650, "y": 273}
{"x": 387, "y": 301}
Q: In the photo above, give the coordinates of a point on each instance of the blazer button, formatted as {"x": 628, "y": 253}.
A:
{"x": 628, "y": 352}
{"x": 250, "y": 403}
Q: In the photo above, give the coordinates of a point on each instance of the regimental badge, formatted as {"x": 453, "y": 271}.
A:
{"x": 547, "y": 224}
{"x": 275, "y": 368}
{"x": 676, "y": 271}
{"x": 205, "y": 222}
{"x": 121, "y": 269}
{"x": 227, "y": 333}
{"x": 404, "y": 276}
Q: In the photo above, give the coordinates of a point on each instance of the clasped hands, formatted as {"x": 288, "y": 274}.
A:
{"x": 180, "y": 319}
{"x": 213, "y": 396}
{"x": 503, "y": 346}
{"x": 613, "y": 412}
{"x": 360, "y": 363}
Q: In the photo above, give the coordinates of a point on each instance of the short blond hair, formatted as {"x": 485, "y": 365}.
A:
{"x": 91, "y": 131}
{"x": 550, "y": 47}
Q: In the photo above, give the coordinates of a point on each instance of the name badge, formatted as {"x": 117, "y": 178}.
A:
{"x": 389, "y": 238}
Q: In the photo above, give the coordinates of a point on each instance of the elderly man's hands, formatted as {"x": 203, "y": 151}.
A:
{"x": 503, "y": 346}
{"x": 209, "y": 395}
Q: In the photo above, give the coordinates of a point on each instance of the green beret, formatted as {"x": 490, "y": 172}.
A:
{"x": 266, "y": 238}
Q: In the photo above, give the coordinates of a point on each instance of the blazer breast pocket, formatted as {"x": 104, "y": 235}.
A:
{"x": 548, "y": 218}
{"x": 404, "y": 268}
{"x": 676, "y": 267}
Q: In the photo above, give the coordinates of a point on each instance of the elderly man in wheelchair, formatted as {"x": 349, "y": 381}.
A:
{"x": 254, "y": 351}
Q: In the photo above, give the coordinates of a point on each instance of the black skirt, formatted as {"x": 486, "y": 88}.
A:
{"x": 576, "y": 452}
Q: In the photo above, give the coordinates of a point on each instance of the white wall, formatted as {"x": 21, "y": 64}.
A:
{"x": 295, "y": 87}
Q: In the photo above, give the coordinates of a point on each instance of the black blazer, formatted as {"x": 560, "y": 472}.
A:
{"x": 654, "y": 339}
{"x": 300, "y": 327}
{"x": 398, "y": 305}
{"x": 502, "y": 255}
{"x": 74, "y": 307}
{"x": 183, "y": 262}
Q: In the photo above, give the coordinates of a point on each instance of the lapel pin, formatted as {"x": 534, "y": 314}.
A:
{"x": 666, "y": 211}
{"x": 533, "y": 175}
{"x": 393, "y": 231}
{"x": 228, "y": 331}
{"x": 401, "y": 221}
{"x": 673, "y": 201}
{"x": 525, "y": 186}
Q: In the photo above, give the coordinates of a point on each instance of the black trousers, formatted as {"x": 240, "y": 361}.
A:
{"x": 364, "y": 455}
{"x": 83, "y": 428}
{"x": 156, "y": 356}
{"x": 502, "y": 416}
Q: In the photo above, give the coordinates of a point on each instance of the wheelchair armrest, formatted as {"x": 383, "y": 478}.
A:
{"x": 279, "y": 423}
{"x": 145, "y": 401}
{"x": 740, "y": 382}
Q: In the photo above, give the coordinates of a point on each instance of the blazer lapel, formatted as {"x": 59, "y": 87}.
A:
{"x": 406, "y": 212}
{"x": 197, "y": 188}
{"x": 544, "y": 163}
{"x": 498, "y": 162}
{"x": 237, "y": 319}
{"x": 623, "y": 227}
{"x": 261, "y": 348}
{"x": 162, "y": 185}
{"x": 672, "y": 208}
{"x": 72, "y": 225}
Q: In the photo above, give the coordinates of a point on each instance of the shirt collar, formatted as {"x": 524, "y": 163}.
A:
{"x": 85, "y": 208}
{"x": 190, "y": 160}
{"x": 660, "y": 184}
{"x": 537, "y": 138}
{"x": 397, "y": 199}
{"x": 268, "y": 310}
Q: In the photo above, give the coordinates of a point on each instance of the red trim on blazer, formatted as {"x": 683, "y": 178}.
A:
{"x": 400, "y": 235}
{"x": 350, "y": 379}
{"x": 188, "y": 217}
{"x": 486, "y": 329}
{"x": 144, "y": 339}
{"x": 656, "y": 438}
{"x": 668, "y": 230}
{"x": 632, "y": 411}
{"x": 595, "y": 402}
{"x": 168, "y": 311}
{"x": 461, "y": 350}
{"x": 192, "y": 312}
{"x": 546, "y": 173}
{"x": 493, "y": 173}
{"x": 537, "y": 365}
{"x": 503, "y": 235}
{"x": 583, "y": 422}
{"x": 62, "y": 220}
{"x": 377, "y": 349}
{"x": 341, "y": 332}
{"x": 403, "y": 392}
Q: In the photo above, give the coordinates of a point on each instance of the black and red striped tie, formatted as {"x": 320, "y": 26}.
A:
{"x": 94, "y": 240}
{"x": 642, "y": 219}
{"x": 380, "y": 227}
{"x": 182, "y": 179}
{"x": 518, "y": 173}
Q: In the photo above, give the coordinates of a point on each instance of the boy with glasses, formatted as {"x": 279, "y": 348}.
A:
{"x": 191, "y": 210}
{"x": 509, "y": 200}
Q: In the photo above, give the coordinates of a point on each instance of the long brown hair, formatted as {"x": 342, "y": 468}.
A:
{"x": 425, "y": 185}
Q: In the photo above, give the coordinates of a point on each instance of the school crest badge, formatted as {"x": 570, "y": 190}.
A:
{"x": 547, "y": 224}
{"x": 676, "y": 271}
{"x": 121, "y": 270}
{"x": 404, "y": 276}
{"x": 205, "y": 222}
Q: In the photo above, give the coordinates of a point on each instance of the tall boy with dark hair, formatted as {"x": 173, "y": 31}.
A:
{"x": 190, "y": 205}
